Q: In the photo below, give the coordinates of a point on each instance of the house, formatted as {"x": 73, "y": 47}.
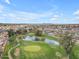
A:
{"x": 3, "y": 40}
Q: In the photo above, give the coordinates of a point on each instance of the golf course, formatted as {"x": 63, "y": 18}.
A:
{"x": 37, "y": 49}
{"x": 41, "y": 50}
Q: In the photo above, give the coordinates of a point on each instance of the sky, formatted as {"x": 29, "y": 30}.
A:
{"x": 39, "y": 11}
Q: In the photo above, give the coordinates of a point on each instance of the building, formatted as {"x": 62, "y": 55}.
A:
{"x": 3, "y": 40}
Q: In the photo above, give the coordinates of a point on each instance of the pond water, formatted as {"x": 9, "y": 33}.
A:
{"x": 51, "y": 41}
{"x": 33, "y": 38}
{"x": 30, "y": 38}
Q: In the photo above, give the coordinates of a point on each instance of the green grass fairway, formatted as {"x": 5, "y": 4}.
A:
{"x": 36, "y": 50}
{"x": 33, "y": 48}
{"x": 75, "y": 52}
{"x": 40, "y": 50}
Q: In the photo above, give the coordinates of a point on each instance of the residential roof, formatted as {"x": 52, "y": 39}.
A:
{"x": 3, "y": 30}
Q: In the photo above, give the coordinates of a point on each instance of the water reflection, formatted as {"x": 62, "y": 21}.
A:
{"x": 33, "y": 38}
{"x": 51, "y": 41}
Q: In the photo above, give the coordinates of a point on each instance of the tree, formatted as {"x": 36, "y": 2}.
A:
{"x": 11, "y": 32}
{"x": 21, "y": 31}
{"x": 68, "y": 42}
{"x": 12, "y": 36}
{"x": 38, "y": 32}
{"x": 37, "y": 39}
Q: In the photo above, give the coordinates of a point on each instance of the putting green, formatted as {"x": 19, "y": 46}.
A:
{"x": 32, "y": 48}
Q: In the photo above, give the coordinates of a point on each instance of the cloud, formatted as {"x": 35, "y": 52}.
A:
{"x": 1, "y": 8}
{"x": 17, "y": 15}
{"x": 2, "y": 17}
{"x": 20, "y": 15}
{"x": 76, "y": 13}
{"x": 31, "y": 17}
{"x": 7, "y": 1}
{"x": 55, "y": 17}
{"x": 76, "y": 18}
{"x": 73, "y": 19}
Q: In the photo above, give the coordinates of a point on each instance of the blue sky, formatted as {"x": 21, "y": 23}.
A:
{"x": 39, "y": 11}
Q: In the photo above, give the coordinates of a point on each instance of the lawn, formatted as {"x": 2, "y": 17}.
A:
{"x": 37, "y": 49}
{"x": 32, "y": 48}
{"x": 75, "y": 52}
{"x": 41, "y": 50}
